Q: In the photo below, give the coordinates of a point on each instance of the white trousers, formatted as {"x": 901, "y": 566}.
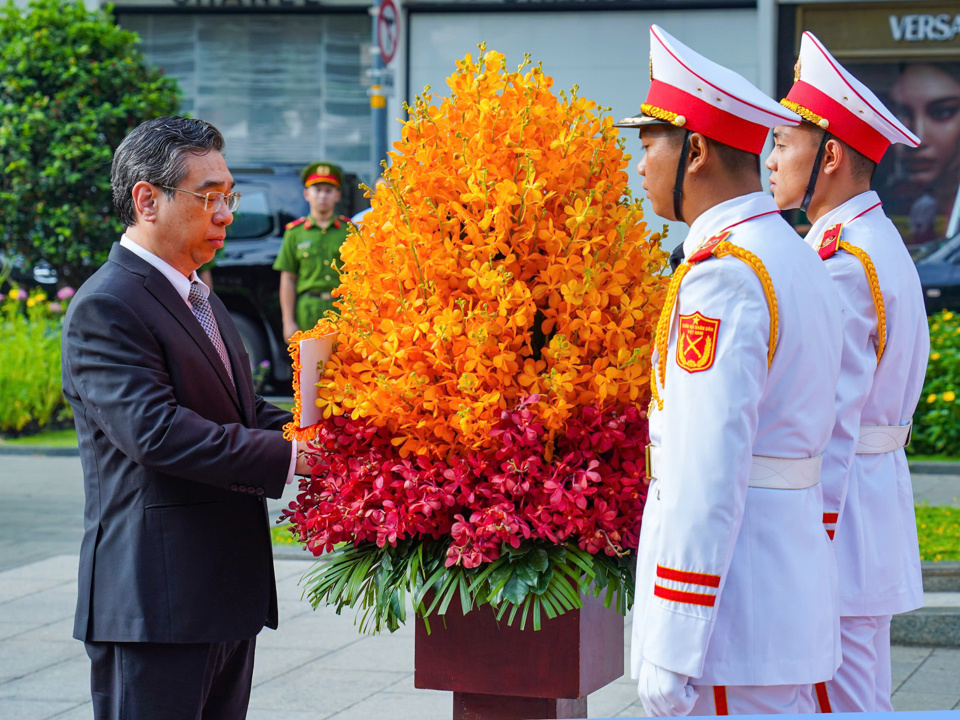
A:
{"x": 863, "y": 681}
{"x": 750, "y": 700}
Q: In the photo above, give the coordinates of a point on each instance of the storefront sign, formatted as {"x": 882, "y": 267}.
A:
{"x": 914, "y": 28}
{"x": 895, "y": 29}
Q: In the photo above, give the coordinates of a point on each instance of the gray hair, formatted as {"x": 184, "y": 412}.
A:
{"x": 156, "y": 152}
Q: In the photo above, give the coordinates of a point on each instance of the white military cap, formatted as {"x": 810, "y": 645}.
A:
{"x": 825, "y": 94}
{"x": 689, "y": 91}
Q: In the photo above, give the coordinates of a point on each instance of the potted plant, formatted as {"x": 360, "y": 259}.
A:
{"x": 480, "y": 426}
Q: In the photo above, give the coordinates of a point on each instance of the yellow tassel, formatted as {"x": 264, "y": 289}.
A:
{"x": 726, "y": 248}
{"x": 663, "y": 331}
{"x": 870, "y": 269}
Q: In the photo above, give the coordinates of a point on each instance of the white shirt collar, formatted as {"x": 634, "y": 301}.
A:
{"x": 720, "y": 217}
{"x": 844, "y": 213}
{"x": 180, "y": 282}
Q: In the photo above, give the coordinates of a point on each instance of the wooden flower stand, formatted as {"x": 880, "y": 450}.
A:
{"x": 499, "y": 672}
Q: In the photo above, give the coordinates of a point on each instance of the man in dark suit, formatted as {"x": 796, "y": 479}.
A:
{"x": 176, "y": 569}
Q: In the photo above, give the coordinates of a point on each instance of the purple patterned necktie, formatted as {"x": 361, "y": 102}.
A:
{"x": 201, "y": 308}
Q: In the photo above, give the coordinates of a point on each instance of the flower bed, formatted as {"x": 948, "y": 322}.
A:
{"x": 31, "y": 397}
{"x": 936, "y": 421}
{"x": 484, "y": 411}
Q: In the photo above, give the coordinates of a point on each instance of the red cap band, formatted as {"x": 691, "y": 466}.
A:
{"x": 317, "y": 178}
{"x": 844, "y": 124}
{"x": 709, "y": 120}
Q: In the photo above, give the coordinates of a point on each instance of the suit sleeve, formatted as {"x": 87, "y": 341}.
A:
{"x": 857, "y": 368}
{"x": 710, "y": 423}
{"x": 121, "y": 372}
{"x": 269, "y": 416}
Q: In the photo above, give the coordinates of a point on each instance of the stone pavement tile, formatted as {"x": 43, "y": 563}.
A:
{"x": 40, "y": 710}
{"x": 53, "y": 631}
{"x": 67, "y": 681}
{"x": 56, "y": 569}
{"x": 422, "y": 705}
{"x": 310, "y": 632}
{"x": 941, "y": 599}
{"x": 634, "y": 711}
{"x": 272, "y": 662}
{"x": 22, "y": 658}
{"x": 41, "y": 608}
{"x": 292, "y": 569}
{"x": 613, "y": 699}
{"x": 380, "y": 652}
{"x": 903, "y": 700}
{"x": 936, "y": 675}
{"x": 905, "y": 661}
{"x": 10, "y": 629}
{"x": 307, "y": 688}
{"x": 936, "y": 489}
{"x": 15, "y": 588}
{"x": 81, "y": 711}
{"x": 267, "y": 714}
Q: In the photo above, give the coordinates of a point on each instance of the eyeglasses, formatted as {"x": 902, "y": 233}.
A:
{"x": 212, "y": 200}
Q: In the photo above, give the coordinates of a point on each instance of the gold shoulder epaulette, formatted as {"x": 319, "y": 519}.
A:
{"x": 291, "y": 225}
{"x": 718, "y": 246}
{"x": 874, "y": 281}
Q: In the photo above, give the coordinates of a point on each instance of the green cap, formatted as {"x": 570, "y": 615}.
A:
{"x": 322, "y": 172}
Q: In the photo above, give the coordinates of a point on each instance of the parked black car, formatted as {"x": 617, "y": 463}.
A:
{"x": 243, "y": 276}
{"x": 940, "y": 276}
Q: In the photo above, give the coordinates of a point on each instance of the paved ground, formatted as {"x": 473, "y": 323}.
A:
{"x": 315, "y": 666}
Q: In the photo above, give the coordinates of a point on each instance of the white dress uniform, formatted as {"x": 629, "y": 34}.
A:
{"x": 868, "y": 498}
{"x": 736, "y": 579}
{"x": 736, "y": 585}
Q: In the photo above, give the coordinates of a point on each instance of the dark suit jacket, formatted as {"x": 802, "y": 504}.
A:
{"x": 176, "y": 462}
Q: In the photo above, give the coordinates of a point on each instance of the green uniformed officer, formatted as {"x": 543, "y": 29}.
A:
{"x": 311, "y": 248}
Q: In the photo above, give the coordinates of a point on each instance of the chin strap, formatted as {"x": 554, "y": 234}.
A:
{"x": 681, "y": 170}
{"x": 815, "y": 173}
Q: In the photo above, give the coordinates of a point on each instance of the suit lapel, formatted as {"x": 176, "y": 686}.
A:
{"x": 158, "y": 286}
{"x": 163, "y": 291}
{"x": 239, "y": 361}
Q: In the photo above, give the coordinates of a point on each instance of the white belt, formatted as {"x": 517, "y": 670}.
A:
{"x": 765, "y": 472}
{"x": 883, "y": 438}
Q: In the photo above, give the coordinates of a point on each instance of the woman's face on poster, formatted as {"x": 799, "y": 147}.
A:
{"x": 927, "y": 100}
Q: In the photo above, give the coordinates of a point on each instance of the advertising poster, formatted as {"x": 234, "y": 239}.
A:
{"x": 908, "y": 53}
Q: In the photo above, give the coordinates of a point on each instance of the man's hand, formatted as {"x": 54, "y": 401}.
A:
{"x": 665, "y": 693}
{"x": 306, "y": 458}
{"x": 289, "y": 328}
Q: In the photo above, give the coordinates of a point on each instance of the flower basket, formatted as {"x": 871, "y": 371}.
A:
{"x": 480, "y": 426}
{"x": 498, "y": 670}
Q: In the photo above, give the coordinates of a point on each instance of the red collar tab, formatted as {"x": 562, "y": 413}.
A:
{"x": 830, "y": 242}
{"x": 291, "y": 225}
{"x": 706, "y": 250}
{"x": 336, "y": 224}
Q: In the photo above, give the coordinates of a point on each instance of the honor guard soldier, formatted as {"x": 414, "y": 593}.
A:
{"x": 310, "y": 252}
{"x": 736, "y": 600}
{"x": 825, "y": 166}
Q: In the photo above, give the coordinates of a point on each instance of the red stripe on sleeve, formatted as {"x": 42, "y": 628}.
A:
{"x": 688, "y": 577}
{"x": 684, "y": 597}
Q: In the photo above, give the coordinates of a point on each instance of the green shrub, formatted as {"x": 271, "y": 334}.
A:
{"x": 936, "y": 423}
{"x": 938, "y": 529}
{"x": 30, "y": 388}
{"x": 72, "y": 85}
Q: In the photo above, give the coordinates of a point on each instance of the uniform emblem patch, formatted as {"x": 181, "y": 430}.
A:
{"x": 697, "y": 342}
{"x": 830, "y": 242}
